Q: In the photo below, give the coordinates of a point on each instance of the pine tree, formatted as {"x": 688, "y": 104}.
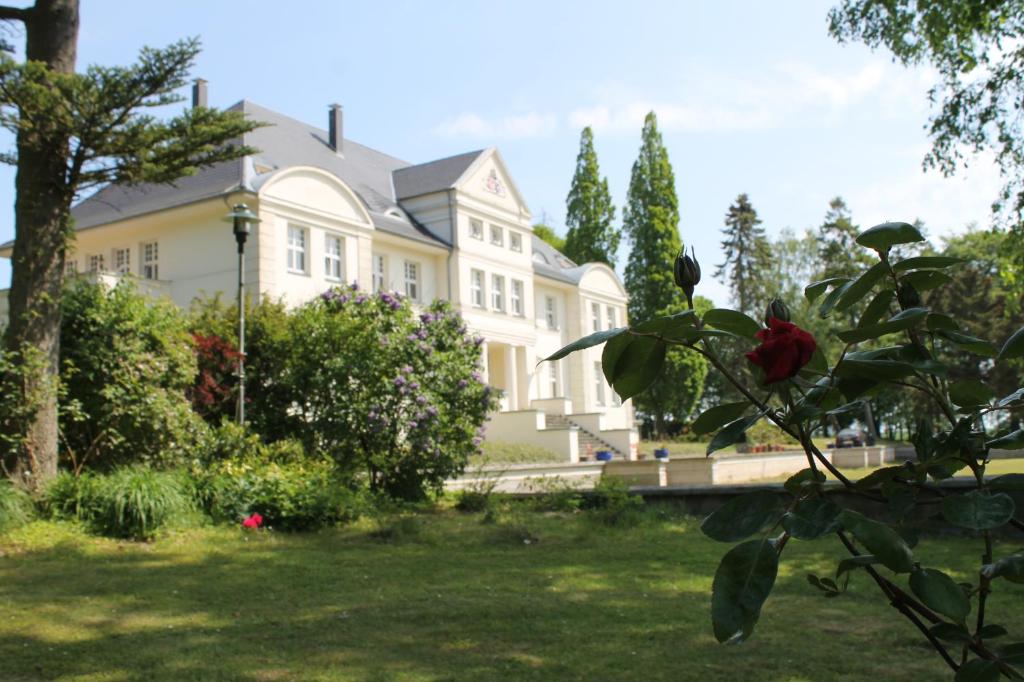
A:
{"x": 747, "y": 255}
{"x": 650, "y": 223}
{"x": 592, "y": 237}
{"x": 839, "y": 255}
{"x": 75, "y": 131}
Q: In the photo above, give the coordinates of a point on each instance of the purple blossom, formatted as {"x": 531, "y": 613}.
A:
{"x": 413, "y": 425}
{"x": 411, "y": 338}
{"x": 354, "y": 286}
{"x": 415, "y": 385}
{"x": 360, "y": 299}
{"x": 421, "y": 400}
{"x": 463, "y": 383}
{"x": 477, "y": 376}
{"x": 400, "y": 381}
{"x": 477, "y": 441}
{"x": 421, "y": 334}
{"x": 432, "y": 411}
{"x": 406, "y": 369}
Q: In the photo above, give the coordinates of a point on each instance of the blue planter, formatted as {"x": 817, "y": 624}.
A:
{"x": 604, "y": 456}
{"x": 661, "y": 453}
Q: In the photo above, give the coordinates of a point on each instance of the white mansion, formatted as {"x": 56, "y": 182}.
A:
{"x": 335, "y": 211}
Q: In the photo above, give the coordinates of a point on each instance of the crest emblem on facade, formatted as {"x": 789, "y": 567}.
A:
{"x": 493, "y": 184}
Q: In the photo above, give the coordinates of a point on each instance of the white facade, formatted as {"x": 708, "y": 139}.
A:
{"x": 523, "y": 297}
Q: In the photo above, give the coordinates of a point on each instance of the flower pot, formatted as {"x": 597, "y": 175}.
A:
{"x": 661, "y": 453}
{"x": 604, "y": 456}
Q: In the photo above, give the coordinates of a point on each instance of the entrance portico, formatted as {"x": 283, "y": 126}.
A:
{"x": 506, "y": 369}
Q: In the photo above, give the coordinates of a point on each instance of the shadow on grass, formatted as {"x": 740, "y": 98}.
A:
{"x": 456, "y": 601}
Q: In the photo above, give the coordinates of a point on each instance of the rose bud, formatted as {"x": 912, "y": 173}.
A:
{"x": 784, "y": 349}
{"x": 776, "y": 309}
{"x": 687, "y": 273}
{"x": 907, "y": 296}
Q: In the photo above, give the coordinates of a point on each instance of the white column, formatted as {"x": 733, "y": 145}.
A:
{"x": 511, "y": 378}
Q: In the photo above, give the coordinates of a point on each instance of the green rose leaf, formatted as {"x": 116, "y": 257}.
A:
{"x": 858, "y": 288}
{"x": 970, "y": 393}
{"x": 877, "y": 309}
{"x": 928, "y": 262}
{"x": 970, "y": 343}
{"x": 951, "y": 632}
{"x": 732, "y": 433}
{"x": 853, "y": 563}
{"x": 1011, "y": 441}
{"x": 876, "y": 370}
{"x": 978, "y": 670}
{"x": 940, "y": 593}
{"x": 632, "y": 363}
{"x": 717, "y": 416}
{"x": 742, "y": 516}
{"x": 825, "y": 309}
{"x": 1012, "y": 653}
{"x": 814, "y": 290}
{"x": 977, "y": 510}
{"x": 803, "y": 479}
{"x": 882, "y": 237}
{"x": 743, "y": 581}
{"x": 879, "y": 477}
{"x": 732, "y": 321}
{"x": 926, "y": 280}
{"x": 586, "y": 342}
{"x": 939, "y": 322}
{"x": 679, "y": 327}
{"x": 901, "y": 321}
{"x": 1014, "y": 346}
{"x": 811, "y": 518}
{"x": 1007, "y": 482}
{"x": 883, "y": 542}
{"x": 1009, "y": 567}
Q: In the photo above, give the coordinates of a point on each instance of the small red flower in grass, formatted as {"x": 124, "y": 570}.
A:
{"x": 784, "y": 349}
{"x": 254, "y": 521}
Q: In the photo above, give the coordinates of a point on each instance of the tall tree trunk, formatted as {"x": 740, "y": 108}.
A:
{"x": 41, "y": 227}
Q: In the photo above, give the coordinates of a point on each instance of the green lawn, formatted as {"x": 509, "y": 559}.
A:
{"x": 440, "y": 596}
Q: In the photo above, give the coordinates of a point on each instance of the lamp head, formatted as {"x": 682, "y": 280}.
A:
{"x": 241, "y": 219}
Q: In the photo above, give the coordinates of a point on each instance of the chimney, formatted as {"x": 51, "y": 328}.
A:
{"x": 334, "y": 128}
{"x": 199, "y": 93}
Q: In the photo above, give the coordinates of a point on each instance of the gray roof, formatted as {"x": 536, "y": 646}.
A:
{"x": 434, "y": 176}
{"x": 284, "y": 142}
{"x": 551, "y": 263}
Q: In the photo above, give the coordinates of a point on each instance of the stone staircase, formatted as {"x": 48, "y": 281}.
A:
{"x": 589, "y": 443}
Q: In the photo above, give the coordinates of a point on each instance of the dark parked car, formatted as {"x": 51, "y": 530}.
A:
{"x": 851, "y": 438}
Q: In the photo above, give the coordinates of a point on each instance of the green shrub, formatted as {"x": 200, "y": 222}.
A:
{"x": 556, "y": 495}
{"x": 16, "y": 508}
{"x": 611, "y": 503}
{"x": 400, "y": 528}
{"x": 71, "y": 497}
{"x": 295, "y": 496}
{"x": 134, "y": 502}
{"x": 472, "y": 501}
{"x": 127, "y": 363}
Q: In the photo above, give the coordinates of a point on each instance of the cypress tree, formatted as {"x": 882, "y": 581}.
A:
{"x": 650, "y": 222}
{"x": 747, "y": 256}
{"x": 592, "y": 237}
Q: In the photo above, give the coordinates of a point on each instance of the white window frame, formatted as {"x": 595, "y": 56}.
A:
{"x": 121, "y": 258}
{"x": 551, "y": 312}
{"x": 595, "y": 316}
{"x": 476, "y": 288}
{"x": 612, "y": 314}
{"x": 411, "y": 271}
{"x": 515, "y": 241}
{"x": 149, "y": 260}
{"x": 516, "y": 296}
{"x": 380, "y": 271}
{"x": 70, "y": 267}
{"x": 553, "y": 379}
{"x": 497, "y": 235}
{"x": 598, "y": 384}
{"x": 96, "y": 262}
{"x": 298, "y": 250}
{"x": 498, "y": 293}
{"x": 476, "y": 229}
{"x": 334, "y": 259}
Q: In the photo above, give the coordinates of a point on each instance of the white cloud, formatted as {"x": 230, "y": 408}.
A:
{"x": 716, "y": 101}
{"x": 470, "y": 124}
{"x": 946, "y": 205}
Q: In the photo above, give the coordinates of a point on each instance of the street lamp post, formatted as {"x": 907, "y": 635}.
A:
{"x": 241, "y": 219}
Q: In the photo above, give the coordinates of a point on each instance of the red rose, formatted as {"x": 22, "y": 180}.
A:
{"x": 254, "y": 521}
{"x": 784, "y": 349}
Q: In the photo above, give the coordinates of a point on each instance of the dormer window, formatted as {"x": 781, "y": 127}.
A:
{"x": 497, "y": 235}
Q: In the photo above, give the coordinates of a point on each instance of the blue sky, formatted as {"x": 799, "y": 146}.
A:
{"x": 752, "y": 97}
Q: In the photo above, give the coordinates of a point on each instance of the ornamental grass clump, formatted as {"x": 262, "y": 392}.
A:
{"x": 896, "y": 343}
{"x": 16, "y": 508}
{"x": 135, "y": 502}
